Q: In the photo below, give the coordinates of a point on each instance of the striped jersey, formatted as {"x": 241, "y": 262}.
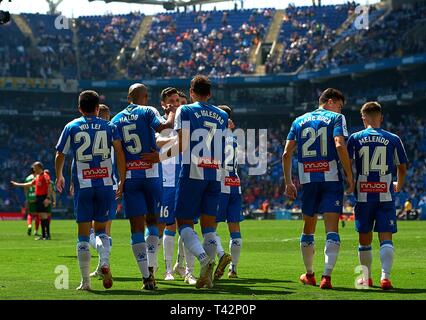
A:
{"x": 230, "y": 180}
{"x": 171, "y": 169}
{"x": 136, "y": 126}
{"x": 376, "y": 153}
{"x": 89, "y": 141}
{"x": 206, "y": 125}
{"x": 317, "y": 155}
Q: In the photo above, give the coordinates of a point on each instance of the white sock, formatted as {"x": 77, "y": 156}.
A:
{"x": 220, "y": 251}
{"x": 190, "y": 261}
{"x": 365, "y": 255}
{"x": 92, "y": 240}
{"x": 386, "y": 257}
{"x": 181, "y": 253}
{"x": 331, "y": 251}
{"x": 192, "y": 243}
{"x": 169, "y": 246}
{"x": 152, "y": 244}
{"x": 235, "y": 249}
{"x": 103, "y": 248}
{"x": 83, "y": 255}
{"x": 210, "y": 244}
{"x": 139, "y": 251}
{"x": 307, "y": 247}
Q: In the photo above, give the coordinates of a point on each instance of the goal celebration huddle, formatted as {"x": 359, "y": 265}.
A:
{"x": 176, "y": 170}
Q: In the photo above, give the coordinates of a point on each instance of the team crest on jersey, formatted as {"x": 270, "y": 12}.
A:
{"x": 208, "y": 163}
{"x": 232, "y": 181}
{"x": 316, "y": 166}
{"x": 95, "y": 173}
{"x": 373, "y": 187}
{"x": 138, "y": 165}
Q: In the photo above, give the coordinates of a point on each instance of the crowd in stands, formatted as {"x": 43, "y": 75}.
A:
{"x": 213, "y": 43}
{"x": 387, "y": 37}
{"x": 101, "y": 39}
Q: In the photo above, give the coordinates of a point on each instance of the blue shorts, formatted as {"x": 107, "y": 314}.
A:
{"x": 230, "y": 208}
{"x": 93, "y": 204}
{"x": 142, "y": 196}
{"x": 113, "y": 210}
{"x": 320, "y": 197}
{"x": 380, "y": 215}
{"x": 167, "y": 212}
{"x": 196, "y": 197}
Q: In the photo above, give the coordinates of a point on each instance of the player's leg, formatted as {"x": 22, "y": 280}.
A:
{"x": 189, "y": 258}
{"x": 235, "y": 245}
{"x": 169, "y": 244}
{"x": 37, "y": 222}
{"x": 49, "y": 220}
{"x": 331, "y": 205}
{"x": 307, "y": 240}
{"x": 179, "y": 267}
{"x": 188, "y": 201}
{"x": 153, "y": 189}
{"x": 364, "y": 223}
{"x": 386, "y": 226}
{"x": 221, "y": 217}
{"x": 29, "y": 220}
{"x": 135, "y": 210}
{"x": 84, "y": 212}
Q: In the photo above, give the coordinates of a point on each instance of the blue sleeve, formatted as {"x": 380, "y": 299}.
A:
{"x": 64, "y": 141}
{"x": 292, "y": 134}
{"x": 114, "y": 132}
{"x": 153, "y": 120}
{"x": 340, "y": 127}
{"x": 400, "y": 156}
{"x": 351, "y": 147}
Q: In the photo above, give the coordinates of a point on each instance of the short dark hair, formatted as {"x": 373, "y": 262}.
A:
{"x": 227, "y": 109}
{"x": 182, "y": 95}
{"x": 201, "y": 85}
{"x": 333, "y": 94}
{"x": 371, "y": 108}
{"x": 103, "y": 111}
{"x": 88, "y": 100}
{"x": 168, "y": 92}
{"x": 38, "y": 164}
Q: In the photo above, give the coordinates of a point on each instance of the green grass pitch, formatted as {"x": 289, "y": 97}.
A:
{"x": 269, "y": 267}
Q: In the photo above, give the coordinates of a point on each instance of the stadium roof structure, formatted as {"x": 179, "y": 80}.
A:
{"x": 168, "y": 3}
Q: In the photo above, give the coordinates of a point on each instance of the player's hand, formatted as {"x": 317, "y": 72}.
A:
{"x": 13, "y": 183}
{"x": 290, "y": 191}
{"x": 60, "y": 183}
{"x": 46, "y": 202}
{"x": 351, "y": 187}
{"x": 395, "y": 187}
{"x": 170, "y": 108}
{"x": 119, "y": 192}
{"x": 72, "y": 189}
{"x": 152, "y": 157}
{"x": 231, "y": 124}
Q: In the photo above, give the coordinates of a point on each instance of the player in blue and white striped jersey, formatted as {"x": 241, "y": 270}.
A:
{"x": 143, "y": 187}
{"x": 377, "y": 153}
{"x": 200, "y": 127}
{"x": 320, "y": 138}
{"x": 89, "y": 139}
{"x": 230, "y": 205}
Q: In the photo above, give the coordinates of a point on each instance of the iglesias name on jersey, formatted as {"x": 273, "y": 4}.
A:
{"x": 230, "y": 180}
{"x": 136, "y": 126}
{"x": 89, "y": 140}
{"x": 317, "y": 155}
{"x": 377, "y": 152}
{"x": 201, "y": 160}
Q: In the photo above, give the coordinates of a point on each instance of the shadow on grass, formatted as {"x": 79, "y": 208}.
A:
{"x": 237, "y": 287}
{"x": 75, "y": 257}
{"x": 377, "y": 290}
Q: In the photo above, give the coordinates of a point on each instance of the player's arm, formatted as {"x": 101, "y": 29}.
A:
{"x": 401, "y": 173}
{"x": 23, "y": 184}
{"x": 290, "y": 188}
{"x": 59, "y": 166}
{"x": 121, "y": 166}
{"x": 169, "y": 122}
{"x": 343, "y": 154}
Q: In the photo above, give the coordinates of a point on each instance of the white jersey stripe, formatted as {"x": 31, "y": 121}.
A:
{"x": 84, "y": 183}
{"x": 333, "y": 174}
{"x": 386, "y": 196}
{"x": 362, "y": 196}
